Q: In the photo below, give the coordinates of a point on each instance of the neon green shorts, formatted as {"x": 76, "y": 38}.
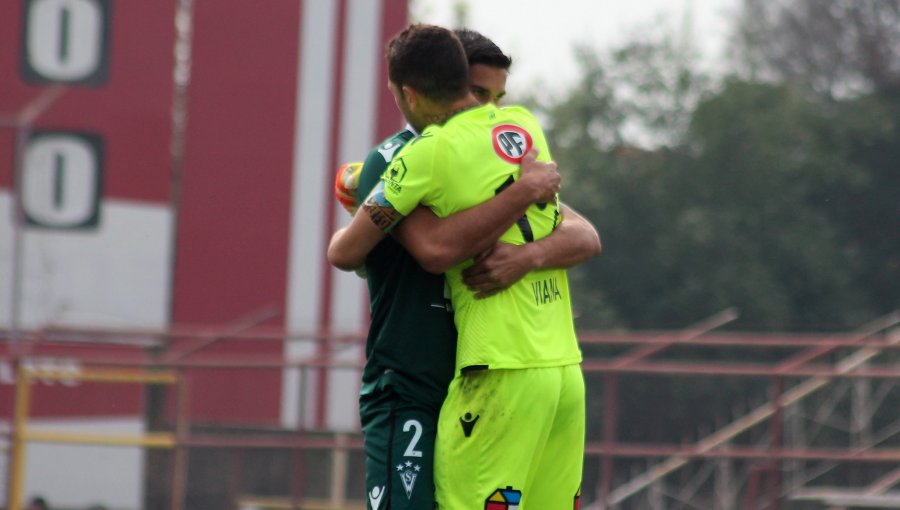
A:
{"x": 511, "y": 439}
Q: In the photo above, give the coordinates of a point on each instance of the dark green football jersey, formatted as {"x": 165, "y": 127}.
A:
{"x": 412, "y": 339}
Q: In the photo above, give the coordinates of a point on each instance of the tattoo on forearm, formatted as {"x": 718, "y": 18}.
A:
{"x": 386, "y": 218}
{"x": 380, "y": 211}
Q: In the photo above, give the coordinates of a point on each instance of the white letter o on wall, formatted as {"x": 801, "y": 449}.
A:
{"x": 61, "y": 180}
{"x": 66, "y": 41}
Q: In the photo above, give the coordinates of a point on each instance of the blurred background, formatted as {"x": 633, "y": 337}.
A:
{"x": 171, "y": 335}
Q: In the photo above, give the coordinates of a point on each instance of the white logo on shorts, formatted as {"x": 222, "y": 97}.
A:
{"x": 408, "y": 473}
{"x": 375, "y": 496}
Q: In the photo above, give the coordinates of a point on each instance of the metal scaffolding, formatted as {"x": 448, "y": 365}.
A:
{"x": 768, "y": 455}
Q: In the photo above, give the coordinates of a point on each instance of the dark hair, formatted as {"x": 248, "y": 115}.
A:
{"x": 431, "y": 60}
{"x": 481, "y": 50}
{"x": 39, "y": 502}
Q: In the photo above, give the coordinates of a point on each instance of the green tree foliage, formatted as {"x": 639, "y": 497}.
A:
{"x": 759, "y": 156}
{"x": 758, "y": 195}
{"x": 844, "y": 55}
{"x": 831, "y": 47}
{"x": 773, "y": 191}
{"x": 860, "y": 196}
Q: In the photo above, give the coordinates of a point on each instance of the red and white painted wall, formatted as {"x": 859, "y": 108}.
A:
{"x": 118, "y": 234}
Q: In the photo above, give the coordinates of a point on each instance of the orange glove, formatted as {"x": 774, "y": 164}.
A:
{"x": 345, "y": 184}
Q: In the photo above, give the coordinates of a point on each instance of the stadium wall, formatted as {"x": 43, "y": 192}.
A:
{"x": 117, "y": 231}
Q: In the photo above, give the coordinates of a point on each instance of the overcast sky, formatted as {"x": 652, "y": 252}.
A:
{"x": 540, "y": 34}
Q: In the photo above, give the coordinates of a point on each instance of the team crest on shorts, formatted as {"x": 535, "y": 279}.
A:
{"x": 408, "y": 473}
{"x": 503, "y": 499}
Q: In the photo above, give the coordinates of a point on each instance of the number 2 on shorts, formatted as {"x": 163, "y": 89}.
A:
{"x": 417, "y": 434}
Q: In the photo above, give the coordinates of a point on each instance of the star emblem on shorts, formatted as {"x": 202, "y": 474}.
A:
{"x": 408, "y": 465}
{"x": 408, "y": 472}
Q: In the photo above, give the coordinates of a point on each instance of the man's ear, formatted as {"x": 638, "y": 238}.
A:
{"x": 410, "y": 96}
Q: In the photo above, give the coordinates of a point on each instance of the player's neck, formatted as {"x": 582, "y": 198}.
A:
{"x": 440, "y": 115}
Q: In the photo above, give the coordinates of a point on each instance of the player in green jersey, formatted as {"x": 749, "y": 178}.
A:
{"x": 411, "y": 338}
{"x": 539, "y": 343}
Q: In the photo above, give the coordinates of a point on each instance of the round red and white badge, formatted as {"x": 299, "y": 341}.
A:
{"x": 511, "y": 142}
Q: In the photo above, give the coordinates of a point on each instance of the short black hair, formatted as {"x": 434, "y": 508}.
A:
{"x": 40, "y": 503}
{"x": 431, "y": 60}
{"x": 481, "y": 50}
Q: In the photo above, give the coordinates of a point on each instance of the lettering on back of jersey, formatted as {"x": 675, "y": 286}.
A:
{"x": 546, "y": 291}
{"x": 511, "y": 142}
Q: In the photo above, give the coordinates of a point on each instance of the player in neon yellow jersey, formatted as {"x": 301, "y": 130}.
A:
{"x": 514, "y": 416}
{"x": 411, "y": 344}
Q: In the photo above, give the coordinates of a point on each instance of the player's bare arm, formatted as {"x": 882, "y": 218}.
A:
{"x": 439, "y": 246}
{"x": 350, "y": 246}
{"x": 573, "y": 242}
{"x": 440, "y": 243}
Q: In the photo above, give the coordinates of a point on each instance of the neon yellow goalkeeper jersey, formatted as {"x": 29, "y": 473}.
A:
{"x": 465, "y": 162}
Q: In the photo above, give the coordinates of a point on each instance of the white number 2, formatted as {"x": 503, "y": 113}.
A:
{"x": 411, "y": 449}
